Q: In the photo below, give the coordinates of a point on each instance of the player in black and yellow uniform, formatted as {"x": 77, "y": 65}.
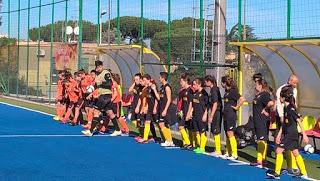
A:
{"x": 135, "y": 90}
{"x": 198, "y": 112}
{"x": 215, "y": 113}
{"x": 165, "y": 99}
{"x": 261, "y": 119}
{"x": 148, "y": 107}
{"x": 185, "y": 97}
{"x": 231, "y": 105}
{"x": 288, "y": 136}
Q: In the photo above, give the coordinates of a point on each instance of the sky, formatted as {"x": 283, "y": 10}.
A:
{"x": 267, "y": 17}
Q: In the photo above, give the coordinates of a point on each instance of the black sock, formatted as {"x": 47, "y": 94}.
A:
{"x": 115, "y": 124}
{"x": 95, "y": 123}
{"x": 153, "y": 131}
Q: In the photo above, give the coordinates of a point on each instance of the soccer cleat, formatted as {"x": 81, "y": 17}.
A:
{"x": 256, "y": 164}
{"x": 185, "y": 147}
{"x": 197, "y": 149}
{"x": 225, "y": 156}
{"x": 87, "y": 133}
{"x": 137, "y": 138}
{"x": 291, "y": 171}
{"x": 142, "y": 141}
{"x": 200, "y": 151}
{"x": 151, "y": 140}
{"x": 232, "y": 158}
{"x": 167, "y": 144}
{"x": 272, "y": 174}
{"x": 215, "y": 154}
{"x": 57, "y": 118}
{"x": 116, "y": 133}
{"x": 87, "y": 126}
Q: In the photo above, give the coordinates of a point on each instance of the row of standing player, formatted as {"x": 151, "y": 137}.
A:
{"x": 197, "y": 110}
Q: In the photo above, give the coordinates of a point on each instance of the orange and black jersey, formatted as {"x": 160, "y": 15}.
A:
{"x": 260, "y": 101}
{"x": 199, "y": 103}
{"x": 289, "y": 125}
{"x": 185, "y": 97}
{"x": 61, "y": 89}
{"x": 231, "y": 98}
{"x": 215, "y": 97}
{"x": 163, "y": 96}
{"x": 136, "y": 94}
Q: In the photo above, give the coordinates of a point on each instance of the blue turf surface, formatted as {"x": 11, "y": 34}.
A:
{"x": 98, "y": 158}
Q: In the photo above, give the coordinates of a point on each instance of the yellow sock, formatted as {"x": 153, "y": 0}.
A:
{"x": 185, "y": 137}
{"x": 233, "y": 144}
{"x": 135, "y": 123}
{"x": 217, "y": 143}
{"x": 259, "y": 151}
{"x": 301, "y": 165}
{"x": 291, "y": 160}
{"x": 279, "y": 160}
{"x": 198, "y": 138}
{"x": 146, "y": 131}
{"x": 203, "y": 141}
{"x": 167, "y": 134}
{"x": 228, "y": 147}
{"x": 264, "y": 153}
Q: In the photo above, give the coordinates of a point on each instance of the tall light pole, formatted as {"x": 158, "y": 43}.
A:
{"x": 109, "y": 23}
{"x": 103, "y": 12}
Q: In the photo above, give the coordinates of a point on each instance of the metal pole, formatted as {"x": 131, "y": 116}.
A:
{"x": 169, "y": 40}
{"x": 240, "y": 80}
{"x": 9, "y": 36}
{"x": 18, "y": 49}
{"x": 288, "y": 19}
{"x": 65, "y": 22}
{"x": 141, "y": 38}
{"x": 118, "y": 23}
{"x": 239, "y": 20}
{"x": 51, "y": 49}
{"x": 80, "y": 34}
{"x": 98, "y": 24}
{"x": 28, "y": 50}
{"x": 244, "y": 33}
{"x": 100, "y": 33}
{"x": 109, "y": 23}
{"x": 219, "y": 37}
{"x": 201, "y": 39}
{"x": 38, "y": 53}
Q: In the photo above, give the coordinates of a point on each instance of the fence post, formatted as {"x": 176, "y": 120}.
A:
{"x": 288, "y": 19}
{"x": 9, "y": 36}
{"x": 65, "y": 22}
{"x": 39, "y": 37}
{"x": 118, "y": 23}
{"x": 169, "y": 41}
{"x": 18, "y": 50}
{"x": 28, "y": 50}
{"x": 51, "y": 48}
{"x": 80, "y": 34}
{"x": 98, "y": 23}
{"x": 141, "y": 38}
{"x": 201, "y": 39}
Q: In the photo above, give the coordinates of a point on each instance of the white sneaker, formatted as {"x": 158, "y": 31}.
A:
{"x": 87, "y": 133}
{"x": 232, "y": 158}
{"x": 217, "y": 155}
{"x": 225, "y": 156}
{"x": 167, "y": 144}
{"x": 116, "y": 133}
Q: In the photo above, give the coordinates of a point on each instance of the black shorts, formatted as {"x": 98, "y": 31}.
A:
{"x": 88, "y": 103}
{"x": 164, "y": 119}
{"x": 216, "y": 123}
{"x": 198, "y": 125}
{"x": 261, "y": 128}
{"x": 62, "y": 101}
{"x": 103, "y": 103}
{"x": 80, "y": 103}
{"x": 289, "y": 143}
{"x": 230, "y": 120}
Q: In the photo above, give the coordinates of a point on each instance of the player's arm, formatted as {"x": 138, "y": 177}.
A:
{"x": 131, "y": 88}
{"x": 168, "y": 94}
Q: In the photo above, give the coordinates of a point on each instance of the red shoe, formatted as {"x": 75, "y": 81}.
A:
{"x": 87, "y": 126}
{"x": 137, "y": 138}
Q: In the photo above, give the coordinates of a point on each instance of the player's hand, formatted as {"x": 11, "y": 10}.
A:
{"x": 136, "y": 110}
{"x": 164, "y": 113}
{"x": 154, "y": 111}
{"x": 89, "y": 97}
{"x": 210, "y": 119}
{"x": 265, "y": 112}
{"x": 153, "y": 87}
{"x": 235, "y": 108}
{"x": 204, "y": 118}
{"x": 305, "y": 138}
